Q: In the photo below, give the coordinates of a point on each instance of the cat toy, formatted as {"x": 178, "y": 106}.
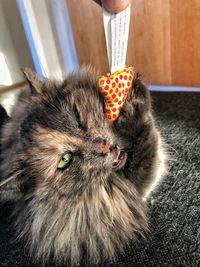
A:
{"x": 115, "y": 88}
{"x": 116, "y": 84}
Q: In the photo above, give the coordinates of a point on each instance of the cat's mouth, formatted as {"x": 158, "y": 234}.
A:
{"x": 119, "y": 158}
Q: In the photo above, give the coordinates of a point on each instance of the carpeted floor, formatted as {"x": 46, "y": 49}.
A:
{"x": 175, "y": 206}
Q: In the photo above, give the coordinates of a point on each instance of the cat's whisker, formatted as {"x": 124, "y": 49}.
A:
{"x": 6, "y": 181}
{"x": 172, "y": 148}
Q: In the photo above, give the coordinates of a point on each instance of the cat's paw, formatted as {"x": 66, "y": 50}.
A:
{"x": 139, "y": 96}
{"x": 137, "y": 105}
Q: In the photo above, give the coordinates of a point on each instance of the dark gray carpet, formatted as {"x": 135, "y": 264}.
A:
{"x": 175, "y": 206}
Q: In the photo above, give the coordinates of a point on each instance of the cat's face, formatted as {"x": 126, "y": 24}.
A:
{"x": 67, "y": 143}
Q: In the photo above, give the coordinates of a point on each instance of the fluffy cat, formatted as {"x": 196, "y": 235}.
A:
{"x": 79, "y": 183}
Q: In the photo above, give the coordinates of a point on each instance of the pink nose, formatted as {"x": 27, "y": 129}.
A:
{"x": 105, "y": 148}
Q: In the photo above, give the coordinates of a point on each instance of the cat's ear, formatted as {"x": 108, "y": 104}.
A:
{"x": 33, "y": 80}
{"x": 9, "y": 189}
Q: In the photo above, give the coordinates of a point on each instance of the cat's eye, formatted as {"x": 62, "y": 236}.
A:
{"x": 65, "y": 160}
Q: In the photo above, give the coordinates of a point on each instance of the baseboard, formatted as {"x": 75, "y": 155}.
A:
{"x": 15, "y": 86}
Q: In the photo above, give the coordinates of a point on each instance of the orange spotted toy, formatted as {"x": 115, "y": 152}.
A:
{"x": 115, "y": 88}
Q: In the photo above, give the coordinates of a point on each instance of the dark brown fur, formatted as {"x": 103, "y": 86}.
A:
{"x": 89, "y": 206}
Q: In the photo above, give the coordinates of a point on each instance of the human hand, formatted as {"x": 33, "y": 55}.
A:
{"x": 114, "y": 6}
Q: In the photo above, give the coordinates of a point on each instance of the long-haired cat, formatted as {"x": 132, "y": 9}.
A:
{"x": 79, "y": 182}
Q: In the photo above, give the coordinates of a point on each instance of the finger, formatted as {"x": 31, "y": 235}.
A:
{"x": 115, "y": 6}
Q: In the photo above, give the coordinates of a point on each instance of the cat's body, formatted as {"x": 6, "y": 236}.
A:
{"x": 96, "y": 204}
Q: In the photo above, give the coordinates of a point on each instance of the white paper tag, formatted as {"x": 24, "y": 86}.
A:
{"x": 116, "y": 27}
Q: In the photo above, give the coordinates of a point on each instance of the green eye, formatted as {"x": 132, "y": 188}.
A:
{"x": 65, "y": 160}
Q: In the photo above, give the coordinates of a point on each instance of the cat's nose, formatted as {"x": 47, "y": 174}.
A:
{"x": 114, "y": 149}
{"x": 106, "y": 148}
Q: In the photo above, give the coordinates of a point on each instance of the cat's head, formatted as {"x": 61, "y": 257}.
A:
{"x": 66, "y": 141}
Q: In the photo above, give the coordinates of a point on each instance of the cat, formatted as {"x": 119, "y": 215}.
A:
{"x": 79, "y": 183}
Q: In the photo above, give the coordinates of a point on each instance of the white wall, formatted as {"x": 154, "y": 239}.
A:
{"x": 36, "y": 34}
{"x": 13, "y": 43}
{"x": 48, "y": 30}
